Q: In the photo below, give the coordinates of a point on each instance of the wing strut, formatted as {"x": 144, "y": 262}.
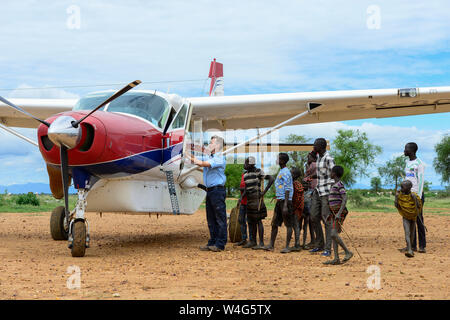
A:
{"x": 21, "y": 136}
{"x": 311, "y": 107}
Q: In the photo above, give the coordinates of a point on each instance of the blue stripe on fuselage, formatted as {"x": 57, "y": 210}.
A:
{"x": 134, "y": 164}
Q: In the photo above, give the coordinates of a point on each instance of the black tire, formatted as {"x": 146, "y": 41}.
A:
{"x": 234, "y": 228}
{"x": 57, "y": 229}
{"x": 79, "y": 238}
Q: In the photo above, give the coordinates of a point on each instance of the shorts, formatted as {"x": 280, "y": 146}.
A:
{"x": 278, "y": 216}
{"x": 255, "y": 217}
{"x": 337, "y": 223}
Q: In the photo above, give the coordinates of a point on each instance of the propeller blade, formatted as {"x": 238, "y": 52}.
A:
{"x": 9, "y": 103}
{"x": 65, "y": 178}
{"x": 128, "y": 87}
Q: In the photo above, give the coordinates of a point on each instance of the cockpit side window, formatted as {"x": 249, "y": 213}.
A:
{"x": 180, "y": 119}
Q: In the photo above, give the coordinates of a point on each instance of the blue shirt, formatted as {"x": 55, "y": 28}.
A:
{"x": 283, "y": 183}
{"x": 214, "y": 175}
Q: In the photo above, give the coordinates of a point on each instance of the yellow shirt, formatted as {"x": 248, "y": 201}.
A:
{"x": 407, "y": 206}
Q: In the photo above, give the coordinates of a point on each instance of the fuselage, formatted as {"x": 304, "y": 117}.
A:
{"x": 129, "y": 144}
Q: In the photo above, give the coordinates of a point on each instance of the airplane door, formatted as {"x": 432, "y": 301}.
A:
{"x": 175, "y": 139}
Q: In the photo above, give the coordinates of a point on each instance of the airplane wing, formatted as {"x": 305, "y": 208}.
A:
{"x": 40, "y": 108}
{"x": 267, "y": 110}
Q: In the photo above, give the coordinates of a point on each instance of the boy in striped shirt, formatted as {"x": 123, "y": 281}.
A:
{"x": 337, "y": 200}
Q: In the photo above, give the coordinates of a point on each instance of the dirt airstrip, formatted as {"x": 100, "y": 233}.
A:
{"x": 142, "y": 257}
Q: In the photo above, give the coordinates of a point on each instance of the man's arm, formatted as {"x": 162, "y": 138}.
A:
{"x": 420, "y": 178}
{"x": 286, "y": 199}
{"x": 271, "y": 181}
{"x": 330, "y": 163}
{"x": 198, "y": 162}
{"x": 416, "y": 202}
{"x": 344, "y": 202}
{"x": 242, "y": 196}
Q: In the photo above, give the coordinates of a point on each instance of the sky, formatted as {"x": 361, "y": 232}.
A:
{"x": 66, "y": 49}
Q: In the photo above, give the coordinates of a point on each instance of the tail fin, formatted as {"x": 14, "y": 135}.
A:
{"x": 216, "y": 75}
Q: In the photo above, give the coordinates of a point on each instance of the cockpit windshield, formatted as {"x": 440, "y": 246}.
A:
{"x": 149, "y": 106}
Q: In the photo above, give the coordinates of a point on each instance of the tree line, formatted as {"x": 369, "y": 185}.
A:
{"x": 353, "y": 150}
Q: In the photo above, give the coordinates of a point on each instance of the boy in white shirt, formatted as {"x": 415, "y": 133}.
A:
{"x": 414, "y": 172}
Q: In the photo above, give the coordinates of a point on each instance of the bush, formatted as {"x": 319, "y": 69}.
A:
{"x": 29, "y": 198}
{"x": 358, "y": 199}
{"x": 443, "y": 193}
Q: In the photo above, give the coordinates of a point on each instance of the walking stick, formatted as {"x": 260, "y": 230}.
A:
{"x": 351, "y": 241}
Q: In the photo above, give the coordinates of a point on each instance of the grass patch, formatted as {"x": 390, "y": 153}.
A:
{"x": 356, "y": 203}
{"x": 46, "y": 203}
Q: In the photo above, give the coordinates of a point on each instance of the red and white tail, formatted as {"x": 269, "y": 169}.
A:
{"x": 216, "y": 75}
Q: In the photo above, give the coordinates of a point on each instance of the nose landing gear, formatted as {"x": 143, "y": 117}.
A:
{"x": 76, "y": 231}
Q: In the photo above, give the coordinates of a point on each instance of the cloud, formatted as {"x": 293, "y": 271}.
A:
{"x": 46, "y": 92}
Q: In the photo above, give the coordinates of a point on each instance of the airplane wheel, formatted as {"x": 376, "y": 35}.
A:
{"x": 234, "y": 228}
{"x": 57, "y": 229}
{"x": 79, "y": 238}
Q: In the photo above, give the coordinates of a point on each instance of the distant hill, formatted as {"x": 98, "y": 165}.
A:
{"x": 30, "y": 187}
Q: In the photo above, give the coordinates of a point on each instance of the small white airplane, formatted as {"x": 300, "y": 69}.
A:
{"x": 125, "y": 150}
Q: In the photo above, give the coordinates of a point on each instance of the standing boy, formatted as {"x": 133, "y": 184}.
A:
{"x": 297, "y": 206}
{"x": 320, "y": 210}
{"x": 310, "y": 183}
{"x": 337, "y": 200}
{"x": 243, "y": 213}
{"x": 283, "y": 209}
{"x": 414, "y": 172}
{"x": 256, "y": 208}
{"x": 409, "y": 205}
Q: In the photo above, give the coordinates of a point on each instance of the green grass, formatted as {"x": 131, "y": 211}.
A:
{"x": 46, "y": 203}
{"x": 433, "y": 205}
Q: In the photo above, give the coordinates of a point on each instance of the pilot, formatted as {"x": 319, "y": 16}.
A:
{"x": 213, "y": 163}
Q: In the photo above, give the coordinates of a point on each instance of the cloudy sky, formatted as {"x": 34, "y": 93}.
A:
{"x": 69, "y": 48}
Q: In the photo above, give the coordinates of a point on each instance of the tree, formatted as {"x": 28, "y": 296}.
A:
{"x": 297, "y": 158}
{"x": 442, "y": 161}
{"x": 393, "y": 170}
{"x": 353, "y": 151}
{"x": 233, "y": 172}
{"x": 427, "y": 186}
{"x": 375, "y": 183}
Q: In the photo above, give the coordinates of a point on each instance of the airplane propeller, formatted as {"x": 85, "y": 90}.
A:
{"x": 129, "y": 86}
{"x": 65, "y": 179}
{"x": 9, "y": 103}
{"x": 65, "y": 132}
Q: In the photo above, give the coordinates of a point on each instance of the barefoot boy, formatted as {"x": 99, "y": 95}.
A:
{"x": 297, "y": 206}
{"x": 283, "y": 209}
{"x": 256, "y": 209}
{"x": 337, "y": 200}
{"x": 408, "y": 205}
